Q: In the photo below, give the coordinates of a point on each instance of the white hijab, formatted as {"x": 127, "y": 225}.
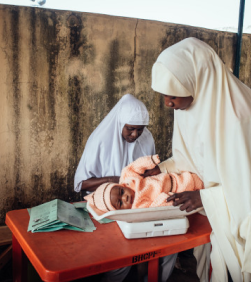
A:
{"x": 213, "y": 139}
{"x": 106, "y": 153}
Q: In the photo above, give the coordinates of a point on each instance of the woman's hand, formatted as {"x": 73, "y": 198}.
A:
{"x": 93, "y": 183}
{"x": 151, "y": 172}
{"x": 189, "y": 200}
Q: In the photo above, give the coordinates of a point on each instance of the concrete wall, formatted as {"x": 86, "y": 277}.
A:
{"x": 61, "y": 72}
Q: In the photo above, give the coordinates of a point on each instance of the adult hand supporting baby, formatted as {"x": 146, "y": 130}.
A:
{"x": 151, "y": 172}
{"x": 93, "y": 183}
{"x": 189, "y": 200}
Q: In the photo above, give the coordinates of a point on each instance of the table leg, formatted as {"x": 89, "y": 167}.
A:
{"x": 153, "y": 270}
{"x": 19, "y": 262}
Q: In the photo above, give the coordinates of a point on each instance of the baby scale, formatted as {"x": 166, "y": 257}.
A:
{"x": 147, "y": 222}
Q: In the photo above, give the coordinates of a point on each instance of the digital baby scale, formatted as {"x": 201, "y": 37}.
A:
{"x": 147, "y": 222}
{"x": 154, "y": 228}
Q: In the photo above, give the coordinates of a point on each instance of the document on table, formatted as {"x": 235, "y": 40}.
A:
{"x": 58, "y": 214}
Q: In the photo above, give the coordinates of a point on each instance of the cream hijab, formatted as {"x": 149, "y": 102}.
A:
{"x": 213, "y": 139}
{"x": 106, "y": 152}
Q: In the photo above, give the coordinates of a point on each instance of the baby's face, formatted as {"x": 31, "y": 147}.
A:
{"x": 122, "y": 197}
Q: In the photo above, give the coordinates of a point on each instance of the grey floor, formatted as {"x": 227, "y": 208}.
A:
{"x": 184, "y": 272}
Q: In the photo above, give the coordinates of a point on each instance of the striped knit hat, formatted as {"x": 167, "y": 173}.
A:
{"x": 101, "y": 197}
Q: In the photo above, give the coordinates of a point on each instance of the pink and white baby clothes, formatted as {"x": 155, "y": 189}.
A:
{"x": 153, "y": 191}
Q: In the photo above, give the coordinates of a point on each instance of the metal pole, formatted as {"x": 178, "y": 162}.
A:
{"x": 239, "y": 38}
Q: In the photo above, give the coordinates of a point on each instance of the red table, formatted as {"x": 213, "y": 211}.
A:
{"x": 67, "y": 255}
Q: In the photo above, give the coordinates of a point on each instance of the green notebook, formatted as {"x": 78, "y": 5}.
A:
{"x": 57, "y": 215}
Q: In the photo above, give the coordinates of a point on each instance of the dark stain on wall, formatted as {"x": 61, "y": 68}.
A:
{"x": 110, "y": 76}
{"x": 167, "y": 40}
{"x": 18, "y": 189}
{"x": 59, "y": 187}
{"x": 38, "y": 187}
{"x": 176, "y": 33}
{"x": 76, "y": 134}
{"x": 75, "y": 25}
{"x": 49, "y": 37}
{"x": 74, "y": 95}
{"x": 32, "y": 28}
{"x": 132, "y": 62}
{"x": 89, "y": 52}
{"x": 33, "y": 75}
{"x": 58, "y": 190}
{"x": 79, "y": 46}
{"x": 33, "y": 88}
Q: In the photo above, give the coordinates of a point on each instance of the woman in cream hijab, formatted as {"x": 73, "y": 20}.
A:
{"x": 212, "y": 138}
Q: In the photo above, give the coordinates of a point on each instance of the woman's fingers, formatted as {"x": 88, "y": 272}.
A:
{"x": 179, "y": 201}
{"x": 174, "y": 196}
{"x": 188, "y": 207}
{"x": 171, "y": 198}
{"x": 189, "y": 200}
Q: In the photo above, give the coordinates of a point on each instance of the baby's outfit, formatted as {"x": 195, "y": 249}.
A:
{"x": 152, "y": 191}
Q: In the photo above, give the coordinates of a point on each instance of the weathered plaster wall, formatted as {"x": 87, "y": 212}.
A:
{"x": 61, "y": 72}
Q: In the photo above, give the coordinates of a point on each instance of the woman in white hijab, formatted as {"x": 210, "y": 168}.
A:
{"x": 212, "y": 133}
{"x": 119, "y": 139}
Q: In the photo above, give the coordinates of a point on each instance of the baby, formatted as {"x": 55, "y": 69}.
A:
{"x": 135, "y": 191}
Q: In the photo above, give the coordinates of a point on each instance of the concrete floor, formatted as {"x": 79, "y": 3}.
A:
{"x": 186, "y": 272}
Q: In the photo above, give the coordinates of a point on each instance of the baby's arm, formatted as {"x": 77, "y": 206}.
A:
{"x": 138, "y": 167}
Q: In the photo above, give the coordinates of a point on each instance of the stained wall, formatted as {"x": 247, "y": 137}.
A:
{"x": 61, "y": 72}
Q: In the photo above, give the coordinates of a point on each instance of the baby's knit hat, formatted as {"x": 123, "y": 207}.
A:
{"x": 101, "y": 198}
